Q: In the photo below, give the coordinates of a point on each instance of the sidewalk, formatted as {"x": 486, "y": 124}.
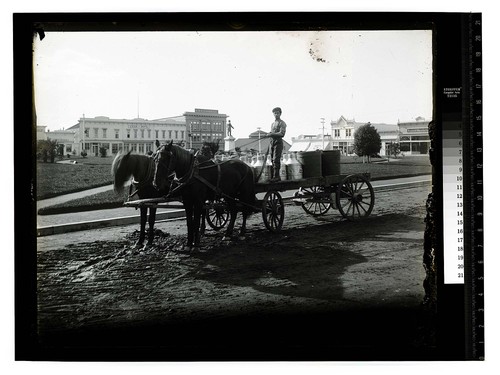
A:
{"x": 62, "y": 223}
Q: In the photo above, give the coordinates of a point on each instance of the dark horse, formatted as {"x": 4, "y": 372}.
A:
{"x": 141, "y": 168}
{"x": 198, "y": 182}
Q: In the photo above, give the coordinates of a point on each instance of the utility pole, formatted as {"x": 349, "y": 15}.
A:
{"x": 323, "y": 129}
{"x": 82, "y": 133}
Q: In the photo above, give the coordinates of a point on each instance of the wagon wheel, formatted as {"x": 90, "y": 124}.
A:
{"x": 355, "y": 197}
{"x": 315, "y": 208}
{"x": 273, "y": 211}
{"x": 217, "y": 214}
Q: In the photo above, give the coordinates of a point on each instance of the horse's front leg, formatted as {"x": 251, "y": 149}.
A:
{"x": 142, "y": 231}
{"x": 203, "y": 225}
{"x": 230, "y": 226}
{"x": 151, "y": 222}
{"x": 189, "y": 222}
{"x": 198, "y": 215}
{"x": 243, "y": 229}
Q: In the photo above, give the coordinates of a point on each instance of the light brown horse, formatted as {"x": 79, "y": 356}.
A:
{"x": 141, "y": 169}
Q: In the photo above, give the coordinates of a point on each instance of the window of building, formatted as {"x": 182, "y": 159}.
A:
{"x": 170, "y": 134}
{"x": 149, "y": 147}
{"x": 128, "y": 133}
{"x": 141, "y": 148}
{"x": 135, "y": 133}
{"x": 157, "y": 132}
{"x": 182, "y": 134}
{"x": 142, "y": 133}
{"x": 149, "y": 133}
{"x": 86, "y": 131}
{"x": 104, "y": 132}
{"x": 163, "y": 132}
{"x": 96, "y": 133}
{"x": 348, "y": 132}
{"x": 117, "y": 133}
{"x": 176, "y": 134}
{"x": 337, "y": 132}
{"x": 114, "y": 148}
{"x": 68, "y": 148}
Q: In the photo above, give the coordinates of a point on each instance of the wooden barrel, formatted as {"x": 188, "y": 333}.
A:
{"x": 330, "y": 163}
{"x": 311, "y": 163}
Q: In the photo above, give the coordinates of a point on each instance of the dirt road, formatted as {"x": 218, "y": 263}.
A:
{"x": 323, "y": 288}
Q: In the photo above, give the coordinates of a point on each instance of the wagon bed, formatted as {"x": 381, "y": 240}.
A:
{"x": 308, "y": 182}
{"x": 352, "y": 195}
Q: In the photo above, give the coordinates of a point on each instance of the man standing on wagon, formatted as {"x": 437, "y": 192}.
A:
{"x": 278, "y": 129}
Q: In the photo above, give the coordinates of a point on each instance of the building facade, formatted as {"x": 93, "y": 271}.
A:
{"x": 343, "y": 134}
{"x": 414, "y": 137}
{"x": 137, "y": 135}
{"x": 257, "y": 143}
{"x": 205, "y": 125}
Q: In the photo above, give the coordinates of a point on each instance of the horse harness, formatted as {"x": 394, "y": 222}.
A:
{"x": 193, "y": 174}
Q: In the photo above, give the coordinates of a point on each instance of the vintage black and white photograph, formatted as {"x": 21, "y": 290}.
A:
{"x": 235, "y": 192}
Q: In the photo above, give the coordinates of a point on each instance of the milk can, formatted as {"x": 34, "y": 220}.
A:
{"x": 268, "y": 170}
{"x": 293, "y": 168}
{"x": 284, "y": 160}
{"x": 247, "y": 159}
{"x": 262, "y": 169}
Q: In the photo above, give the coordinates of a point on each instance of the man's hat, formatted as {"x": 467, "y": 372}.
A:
{"x": 277, "y": 109}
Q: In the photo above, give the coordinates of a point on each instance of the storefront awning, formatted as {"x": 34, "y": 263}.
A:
{"x": 299, "y": 146}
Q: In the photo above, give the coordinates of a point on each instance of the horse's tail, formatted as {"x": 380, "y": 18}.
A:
{"x": 119, "y": 173}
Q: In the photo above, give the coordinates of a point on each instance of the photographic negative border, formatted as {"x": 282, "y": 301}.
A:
{"x": 455, "y": 309}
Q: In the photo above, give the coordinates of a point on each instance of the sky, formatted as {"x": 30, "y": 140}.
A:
{"x": 376, "y": 76}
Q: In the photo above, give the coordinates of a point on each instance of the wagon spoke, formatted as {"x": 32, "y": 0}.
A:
{"x": 273, "y": 211}
{"x": 360, "y": 204}
{"x": 355, "y": 197}
{"x": 357, "y": 208}
{"x": 275, "y": 222}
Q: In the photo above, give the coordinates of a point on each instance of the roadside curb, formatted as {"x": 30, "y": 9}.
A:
{"x": 103, "y": 223}
{"x": 178, "y": 213}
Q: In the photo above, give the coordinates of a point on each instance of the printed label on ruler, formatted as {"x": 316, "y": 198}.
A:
{"x": 453, "y": 198}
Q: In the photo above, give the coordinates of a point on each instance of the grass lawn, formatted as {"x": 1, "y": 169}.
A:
{"x": 57, "y": 179}
{"x": 53, "y": 179}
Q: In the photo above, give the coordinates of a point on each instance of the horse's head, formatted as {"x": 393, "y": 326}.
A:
{"x": 164, "y": 165}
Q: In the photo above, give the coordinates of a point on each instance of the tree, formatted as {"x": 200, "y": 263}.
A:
{"x": 394, "y": 149}
{"x": 103, "y": 151}
{"x": 60, "y": 151}
{"x": 367, "y": 141}
{"x": 47, "y": 148}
